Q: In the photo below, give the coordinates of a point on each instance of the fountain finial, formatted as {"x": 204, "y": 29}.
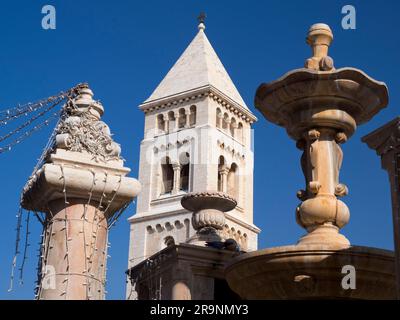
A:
{"x": 319, "y": 38}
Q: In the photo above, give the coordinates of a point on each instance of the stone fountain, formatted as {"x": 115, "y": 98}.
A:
{"x": 320, "y": 108}
{"x": 208, "y": 218}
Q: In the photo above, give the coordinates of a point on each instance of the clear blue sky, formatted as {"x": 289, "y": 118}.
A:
{"x": 124, "y": 48}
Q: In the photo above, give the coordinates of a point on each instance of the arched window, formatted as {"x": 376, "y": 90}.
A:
{"x": 239, "y": 133}
{"x": 218, "y": 118}
{"x": 233, "y": 181}
{"x": 160, "y": 123}
{"x": 182, "y": 118}
{"x": 169, "y": 241}
{"x": 233, "y": 127}
{"x": 171, "y": 121}
{"x": 167, "y": 176}
{"x": 221, "y": 166}
{"x": 192, "y": 119}
{"x": 184, "y": 160}
{"x": 225, "y": 121}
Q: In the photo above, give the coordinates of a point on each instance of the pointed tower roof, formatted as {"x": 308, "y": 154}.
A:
{"x": 198, "y": 66}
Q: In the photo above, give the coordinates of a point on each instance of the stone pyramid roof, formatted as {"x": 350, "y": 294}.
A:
{"x": 197, "y": 67}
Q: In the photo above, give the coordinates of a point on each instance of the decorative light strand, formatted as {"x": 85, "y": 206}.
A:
{"x": 26, "y": 245}
{"x": 29, "y": 133}
{"x": 27, "y": 123}
{"x": 16, "y": 252}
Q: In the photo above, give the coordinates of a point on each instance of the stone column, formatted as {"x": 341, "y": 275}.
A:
{"x": 76, "y": 238}
{"x": 176, "y": 115}
{"x": 166, "y": 125}
{"x": 81, "y": 188}
{"x": 227, "y": 121}
{"x": 187, "y": 118}
{"x": 224, "y": 178}
{"x": 220, "y": 118}
{"x": 386, "y": 142}
{"x": 234, "y": 131}
{"x": 177, "y": 178}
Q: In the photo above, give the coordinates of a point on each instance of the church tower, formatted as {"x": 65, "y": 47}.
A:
{"x": 197, "y": 138}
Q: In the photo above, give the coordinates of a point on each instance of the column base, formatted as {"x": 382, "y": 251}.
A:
{"x": 324, "y": 234}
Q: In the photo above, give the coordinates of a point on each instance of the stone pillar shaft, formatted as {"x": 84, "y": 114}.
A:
{"x": 220, "y": 118}
{"x": 177, "y": 178}
{"x": 224, "y": 179}
{"x": 176, "y": 115}
{"x": 75, "y": 249}
{"x": 187, "y": 118}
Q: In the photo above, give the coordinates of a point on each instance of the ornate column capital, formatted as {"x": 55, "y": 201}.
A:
{"x": 84, "y": 151}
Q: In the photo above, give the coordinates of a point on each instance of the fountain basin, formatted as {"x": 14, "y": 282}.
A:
{"x": 208, "y": 200}
{"x": 312, "y": 272}
{"x": 304, "y": 98}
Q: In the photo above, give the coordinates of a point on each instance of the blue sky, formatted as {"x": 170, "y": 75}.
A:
{"x": 124, "y": 48}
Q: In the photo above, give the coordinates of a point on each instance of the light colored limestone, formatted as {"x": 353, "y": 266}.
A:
{"x": 197, "y": 67}
{"x": 208, "y": 217}
{"x": 80, "y": 187}
{"x": 312, "y": 272}
{"x": 183, "y": 122}
{"x": 320, "y": 108}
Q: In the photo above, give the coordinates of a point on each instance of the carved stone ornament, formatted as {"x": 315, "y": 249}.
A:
{"x": 82, "y": 130}
{"x": 85, "y": 133}
{"x": 208, "y": 217}
{"x": 320, "y": 108}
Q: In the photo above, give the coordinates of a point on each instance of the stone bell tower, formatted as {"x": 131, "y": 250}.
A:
{"x": 197, "y": 138}
{"x": 81, "y": 188}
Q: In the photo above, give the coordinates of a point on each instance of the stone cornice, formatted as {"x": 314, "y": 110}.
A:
{"x": 57, "y": 181}
{"x": 197, "y": 256}
{"x": 385, "y": 138}
{"x": 199, "y": 93}
{"x": 141, "y": 217}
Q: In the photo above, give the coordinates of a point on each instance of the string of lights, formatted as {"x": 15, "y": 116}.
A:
{"x": 95, "y": 224}
{"x": 16, "y": 252}
{"x": 29, "y": 109}
{"x": 30, "y": 121}
{"x": 29, "y": 133}
{"x": 6, "y": 116}
{"x": 44, "y": 106}
{"x": 26, "y": 245}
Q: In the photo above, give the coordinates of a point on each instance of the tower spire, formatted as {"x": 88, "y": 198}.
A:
{"x": 201, "y": 18}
